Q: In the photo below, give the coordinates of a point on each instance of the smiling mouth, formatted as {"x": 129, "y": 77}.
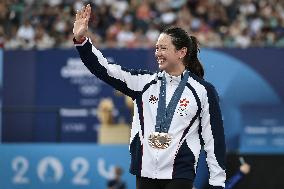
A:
{"x": 161, "y": 61}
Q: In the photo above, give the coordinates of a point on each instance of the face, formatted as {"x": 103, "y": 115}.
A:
{"x": 167, "y": 56}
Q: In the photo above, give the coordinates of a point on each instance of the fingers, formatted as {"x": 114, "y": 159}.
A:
{"x": 87, "y": 11}
{"x": 84, "y": 13}
{"x": 77, "y": 15}
{"x": 80, "y": 13}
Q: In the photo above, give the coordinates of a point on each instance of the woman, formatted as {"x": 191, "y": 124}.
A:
{"x": 176, "y": 112}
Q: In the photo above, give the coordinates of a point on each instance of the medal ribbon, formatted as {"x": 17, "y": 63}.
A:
{"x": 165, "y": 114}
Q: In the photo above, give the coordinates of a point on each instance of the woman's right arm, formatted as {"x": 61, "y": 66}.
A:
{"x": 127, "y": 81}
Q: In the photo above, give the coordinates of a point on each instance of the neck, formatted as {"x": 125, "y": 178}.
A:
{"x": 177, "y": 71}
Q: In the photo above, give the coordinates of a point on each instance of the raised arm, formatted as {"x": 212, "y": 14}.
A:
{"x": 80, "y": 27}
{"x": 129, "y": 82}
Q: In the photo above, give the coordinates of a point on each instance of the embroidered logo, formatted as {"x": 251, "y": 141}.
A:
{"x": 183, "y": 103}
{"x": 153, "y": 99}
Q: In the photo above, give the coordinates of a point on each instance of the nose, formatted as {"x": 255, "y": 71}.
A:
{"x": 157, "y": 53}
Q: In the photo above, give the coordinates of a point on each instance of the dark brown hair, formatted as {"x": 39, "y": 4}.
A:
{"x": 180, "y": 39}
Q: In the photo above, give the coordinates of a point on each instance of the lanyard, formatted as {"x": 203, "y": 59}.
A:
{"x": 165, "y": 114}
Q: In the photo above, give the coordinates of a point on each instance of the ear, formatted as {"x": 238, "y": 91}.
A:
{"x": 182, "y": 52}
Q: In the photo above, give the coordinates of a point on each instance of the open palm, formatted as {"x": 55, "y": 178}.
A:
{"x": 80, "y": 28}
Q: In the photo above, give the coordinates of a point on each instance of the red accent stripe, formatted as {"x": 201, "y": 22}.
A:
{"x": 79, "y": 41}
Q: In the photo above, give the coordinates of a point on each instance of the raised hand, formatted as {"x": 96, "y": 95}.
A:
{"x": 80, "y": 28}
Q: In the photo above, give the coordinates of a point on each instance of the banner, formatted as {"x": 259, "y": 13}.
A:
{"x": 263, "y": 130}
{"x": 56, "y": 81}
{"x": 1, "y": 89}
{"x": 19, "y": 110}
{"x": 62, "y": 166}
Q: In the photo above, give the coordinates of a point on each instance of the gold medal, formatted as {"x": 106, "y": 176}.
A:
{"x": 160, "y": 140}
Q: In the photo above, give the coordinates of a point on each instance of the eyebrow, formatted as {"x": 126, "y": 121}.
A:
{"x": 161, "y": 45}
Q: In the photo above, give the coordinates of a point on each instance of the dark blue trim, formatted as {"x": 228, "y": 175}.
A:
{"x": 196, "y": 97}
{"x": 200, "y": 133}
{"x": 215, "y": 120}
{"x": 197, "y": 112}
{"x": 92, "y": 63}
{"x": 148, "y": 85}
{"x": 216, "y": 187}
{"x": 136, "y": 152}
{"x": 184, "y": 163}
{"x": 134, "y": 71}
{"x": 137, "y": 72}
{"x": 216, "y": 125}
{"x": 154, "y": 81}
{"x": 139, "y": 103}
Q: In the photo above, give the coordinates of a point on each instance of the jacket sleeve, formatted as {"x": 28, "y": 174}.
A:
{"x": 213, "y": 137}
{"x": 127, "y": 81}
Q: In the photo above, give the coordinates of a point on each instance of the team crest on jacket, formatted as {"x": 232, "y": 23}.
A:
{"x": 153, "y": 99}
{"x": 182, "y": 109}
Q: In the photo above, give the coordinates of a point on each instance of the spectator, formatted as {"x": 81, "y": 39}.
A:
{"x": 131, "y": 23}
{"x": 117, "y": 183}
{"x": 126, "y": 36}
{"x": 26, "y": 34}
{"x": 235, "y": 179}
{"x": 2, "y": 39}
{"x": 42, "y": 39}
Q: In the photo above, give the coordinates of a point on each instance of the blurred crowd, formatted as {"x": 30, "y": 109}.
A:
{"x": 41, "y": 24}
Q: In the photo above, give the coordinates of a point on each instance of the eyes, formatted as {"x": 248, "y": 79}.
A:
{"x": 161, "y": 48}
